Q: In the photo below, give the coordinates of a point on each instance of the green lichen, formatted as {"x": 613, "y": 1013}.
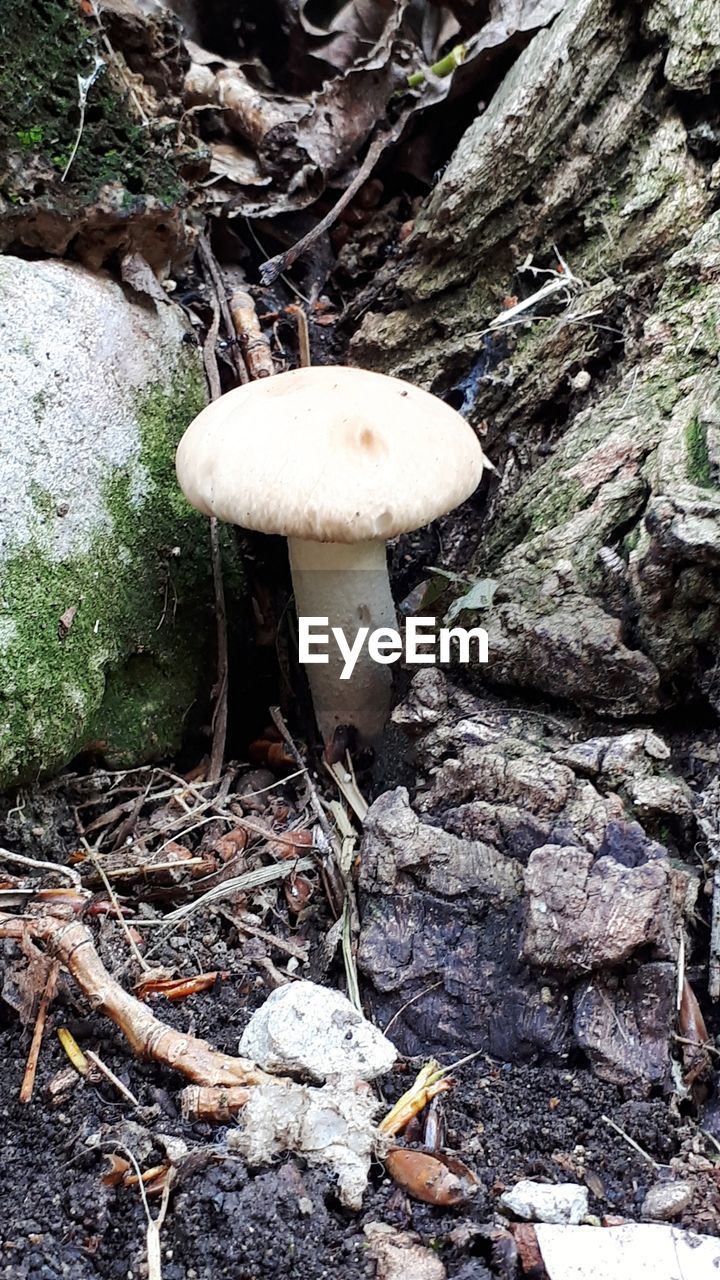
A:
{"x": 698, "y": 458}
{"x": 126, "y": 667}
{"x": 46, "y": 45}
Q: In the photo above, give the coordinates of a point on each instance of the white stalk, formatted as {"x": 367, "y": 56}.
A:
{"x": 348, "y": 584}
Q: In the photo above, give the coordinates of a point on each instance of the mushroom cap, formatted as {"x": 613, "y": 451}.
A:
{"x": 329, "y": 454}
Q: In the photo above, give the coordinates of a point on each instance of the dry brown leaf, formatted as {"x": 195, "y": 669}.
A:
{"x": 25, "y": 979}
{"x": 138, "y": 273}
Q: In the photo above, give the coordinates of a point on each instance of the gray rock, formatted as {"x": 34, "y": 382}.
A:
{"x": 563, "y": 1203}
{"x": 314, "y": 1032}
{"x": 666, "y": 1200}
{"x": 584, "y": 914}
{"x": 625, "y": 1026}
{"x": 395, "y": 840}
{"x": 104, "y": 577}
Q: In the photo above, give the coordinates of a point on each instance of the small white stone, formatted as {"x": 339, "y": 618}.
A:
{"x": 562, "y": 1203}
{"x": 314, "y": 1032}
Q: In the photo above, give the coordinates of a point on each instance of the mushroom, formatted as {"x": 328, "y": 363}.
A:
{"x": 337, "y": 460}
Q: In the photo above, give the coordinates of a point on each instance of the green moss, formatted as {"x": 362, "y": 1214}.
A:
{"x": 46, "y": 45}
{"x": 631, "y": 540}
{"x": 30, "y": 137}
{"x": 698, "y": 458}
{"x": 128, "y": 668}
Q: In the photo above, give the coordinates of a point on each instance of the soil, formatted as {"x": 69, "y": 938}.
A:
{"x": 225, "y": 1220}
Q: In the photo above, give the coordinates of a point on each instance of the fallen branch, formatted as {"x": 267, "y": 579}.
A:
{"x": 148, "y": 1037}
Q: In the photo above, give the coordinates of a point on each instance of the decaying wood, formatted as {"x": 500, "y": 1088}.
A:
{"x": 212, "y": 1104}
{"x": 708, "y": 820}
{"x": 149, "y": 1038}
{"x": 253, "y": 343}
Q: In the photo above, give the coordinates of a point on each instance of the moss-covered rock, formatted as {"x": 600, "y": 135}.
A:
{"x": 105, "y": 580}
{"x": 108, "y": 177}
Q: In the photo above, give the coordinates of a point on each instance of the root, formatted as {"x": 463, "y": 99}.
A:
{"x": 149, "y": 1038}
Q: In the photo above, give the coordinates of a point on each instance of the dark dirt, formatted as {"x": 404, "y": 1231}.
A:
{"x": 227, "y": 1221}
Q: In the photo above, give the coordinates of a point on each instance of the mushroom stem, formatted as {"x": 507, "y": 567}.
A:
{"x": 348, "y": 584}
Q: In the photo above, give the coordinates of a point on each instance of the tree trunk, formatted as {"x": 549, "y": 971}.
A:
{"x": 600, "y": 402}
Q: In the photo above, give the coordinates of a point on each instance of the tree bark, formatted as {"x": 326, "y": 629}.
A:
{"x": 600, "y": 404}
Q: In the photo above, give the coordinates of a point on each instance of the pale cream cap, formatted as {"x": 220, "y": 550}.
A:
{"x": 330, "y": 454}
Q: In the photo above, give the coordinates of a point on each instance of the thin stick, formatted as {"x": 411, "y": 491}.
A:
{"x": 330, "y": 835}
{"x": 7, "y": 856}
{"x": 270, "y": 270}
{"x": 220, "y": 710}
{"x": 209, "y": 261}
{"x": 303, "y": 335}
{"x": 116, "y": 906}
{"x": 28, "y": 1083}
{"x": 631, "y": 1142}
{"x": 407, "y": 1004}
{"x": 149, "y": 1038}
{"x": 237, "y": 884}
{"x": 154, "y": 1225}
{"x": 110, "y": 1075}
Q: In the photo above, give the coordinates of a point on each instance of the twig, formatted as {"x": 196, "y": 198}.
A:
{"x": 110, "y": 1075}
{"x": 237, "y": 884}
{"x": 254, "y": 345}
{"x": 154, "y": 1225}
{"x": 330, "y": 835}
{"x": 303, "y": 335}
{"x": 274, "y": 267}
{"x": 631, "y": 1142}
{"x": 289, "y": 948}
{"x": 350, "y": 917}
{"x": 220, "y": 712}
{"x": 115, "y": 905}
{"x": 209, "y": 262}
{"x": 407, "y": 1004}
{"x": 28, "y": 1083}
{"x": 6, "y": 855}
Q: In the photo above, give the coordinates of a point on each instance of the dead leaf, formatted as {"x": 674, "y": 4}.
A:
{"x": 66, "y": 621}
{"x": 25, "y": 979}
{"x": 236, "y": 164}
{"x": 138, "y": 273}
